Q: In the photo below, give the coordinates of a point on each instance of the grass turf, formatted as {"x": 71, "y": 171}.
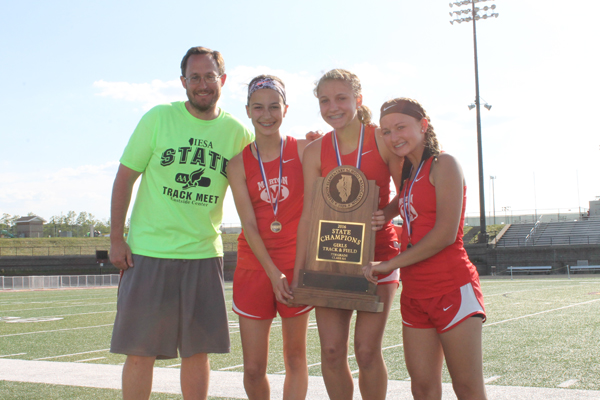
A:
{"x": 540, "y": 332}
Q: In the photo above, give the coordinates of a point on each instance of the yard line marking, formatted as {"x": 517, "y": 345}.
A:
{"x": 234, "y": 367}
{"x": 529, "y": 290}
{"x": 49, "y": 308}
{"x": 538, "y": 313}
{"x": 91, "y": 359}
{"x": 354, "y": 372}
{"x": 391, "y": 347}
{"x": 85, "y": 313}
{"x": 10, "y": 355}
{"x": 313, "y": 365}
{"x": 69, "y": 355}
{"x": 56, "y": 330}
{"x": 173, "y": 366}
{"x": 568, "y": 383}
{"x": 492, "y": 378}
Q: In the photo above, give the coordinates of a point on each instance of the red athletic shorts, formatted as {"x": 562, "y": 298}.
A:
{"x": 443, "y": 312}
{"x": 253, "y": 296}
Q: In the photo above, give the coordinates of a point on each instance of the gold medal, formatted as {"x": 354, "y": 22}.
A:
{"x": 276, "y": 226}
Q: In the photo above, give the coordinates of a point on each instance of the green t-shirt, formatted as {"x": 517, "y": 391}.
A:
{"x": 179, "y": 205}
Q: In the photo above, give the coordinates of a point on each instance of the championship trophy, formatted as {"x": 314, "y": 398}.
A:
{"x": 340, "y": 243}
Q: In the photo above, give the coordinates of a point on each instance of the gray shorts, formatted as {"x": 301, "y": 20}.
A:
{"x": 166, "y": 305}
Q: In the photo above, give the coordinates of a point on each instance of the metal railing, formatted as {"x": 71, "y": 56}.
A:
{"x": 57, "y": 281}
{"x": 50, "y": 250}
{"x": 532, "y": 231}
{"x": 69, "y": 250}
{"x": 550, "y": 241}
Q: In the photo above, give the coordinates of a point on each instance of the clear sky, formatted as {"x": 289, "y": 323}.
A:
{"x": 76, "y": 77}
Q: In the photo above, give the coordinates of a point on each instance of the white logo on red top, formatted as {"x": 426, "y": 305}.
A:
{"x": 274, "y": 186}
{"x": 413, "y": 213}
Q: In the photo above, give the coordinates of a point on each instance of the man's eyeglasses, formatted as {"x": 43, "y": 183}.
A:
{"x": 195, "y": 79}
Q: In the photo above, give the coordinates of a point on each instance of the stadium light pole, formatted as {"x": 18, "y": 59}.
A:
{"x": 493, "y": 178}
{"x": 475, "y": 17}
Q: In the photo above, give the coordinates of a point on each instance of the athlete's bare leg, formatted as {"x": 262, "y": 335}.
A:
{"x": 424, "y": 358}
{"x": 368, "y": 337}
{"x": 255, "y": 347}
{"x": 462, "y": 348}
{"x": 334, "y": 330}
{"x": 137, "y": 377}
{"x": 294, "y": 356}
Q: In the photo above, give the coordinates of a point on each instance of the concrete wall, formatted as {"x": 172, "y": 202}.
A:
{"x": 484, "y": 257}
{"x": 595, "y": 208}
{"x": 76, "y": 265}
{"x": 53, "y": 265}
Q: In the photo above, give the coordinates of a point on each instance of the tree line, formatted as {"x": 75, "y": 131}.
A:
{"x": 78, "y": 224}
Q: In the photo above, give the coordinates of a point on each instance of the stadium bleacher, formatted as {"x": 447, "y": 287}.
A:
{"x": 552, "y": 233}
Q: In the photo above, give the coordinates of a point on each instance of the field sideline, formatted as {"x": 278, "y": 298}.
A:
{"x": 542, "y": 332}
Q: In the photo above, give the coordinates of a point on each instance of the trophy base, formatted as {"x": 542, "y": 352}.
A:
{"x": 337, "y": 299}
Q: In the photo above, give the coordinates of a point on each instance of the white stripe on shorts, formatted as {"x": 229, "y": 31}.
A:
{"x": 469, "y": 305}
{"x": 394, "y": 276}
{"x": 244, "y": 313}
{"x": 305, "y": 309}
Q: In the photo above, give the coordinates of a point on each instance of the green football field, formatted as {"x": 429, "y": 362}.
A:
{"x": 541, "y": 332}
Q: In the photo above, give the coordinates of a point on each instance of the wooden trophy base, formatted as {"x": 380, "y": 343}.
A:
{"x": 342, "y": 300}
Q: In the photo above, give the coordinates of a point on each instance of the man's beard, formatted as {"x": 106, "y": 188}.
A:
{"x": 204, "y": 107}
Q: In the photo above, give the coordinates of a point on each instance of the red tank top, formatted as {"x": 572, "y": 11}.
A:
{"x": 445, "y": 271}
{"x": 374, "y": 168}
{"x": 282, "y": 245}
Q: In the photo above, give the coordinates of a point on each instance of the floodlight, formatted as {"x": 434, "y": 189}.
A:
{"x": 489, "y": 107}
{"x": 471, "y": 106}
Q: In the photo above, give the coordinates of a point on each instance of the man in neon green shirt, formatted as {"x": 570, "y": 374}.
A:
{"x": 171, "y": 293}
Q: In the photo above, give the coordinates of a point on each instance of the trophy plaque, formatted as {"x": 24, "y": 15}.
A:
{"x": 340, "y": 242}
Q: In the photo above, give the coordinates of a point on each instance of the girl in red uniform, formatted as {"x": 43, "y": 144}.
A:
{"x": 352, "y": 142}
{"x": 440, "y": 286}
{"x": 267, "y": 185}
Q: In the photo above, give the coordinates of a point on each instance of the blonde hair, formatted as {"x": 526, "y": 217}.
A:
{"x": 338, "y": 74}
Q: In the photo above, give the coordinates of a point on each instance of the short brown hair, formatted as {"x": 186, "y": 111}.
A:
{"x": 203, "y": 50}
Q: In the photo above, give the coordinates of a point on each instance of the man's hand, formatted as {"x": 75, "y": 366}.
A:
{"x": 120, "y": 254}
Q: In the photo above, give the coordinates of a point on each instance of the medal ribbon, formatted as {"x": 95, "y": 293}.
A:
{"x": 264, "y": 176}
{"x": 360, "y": 146}
{"x": 406, "y": 204}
